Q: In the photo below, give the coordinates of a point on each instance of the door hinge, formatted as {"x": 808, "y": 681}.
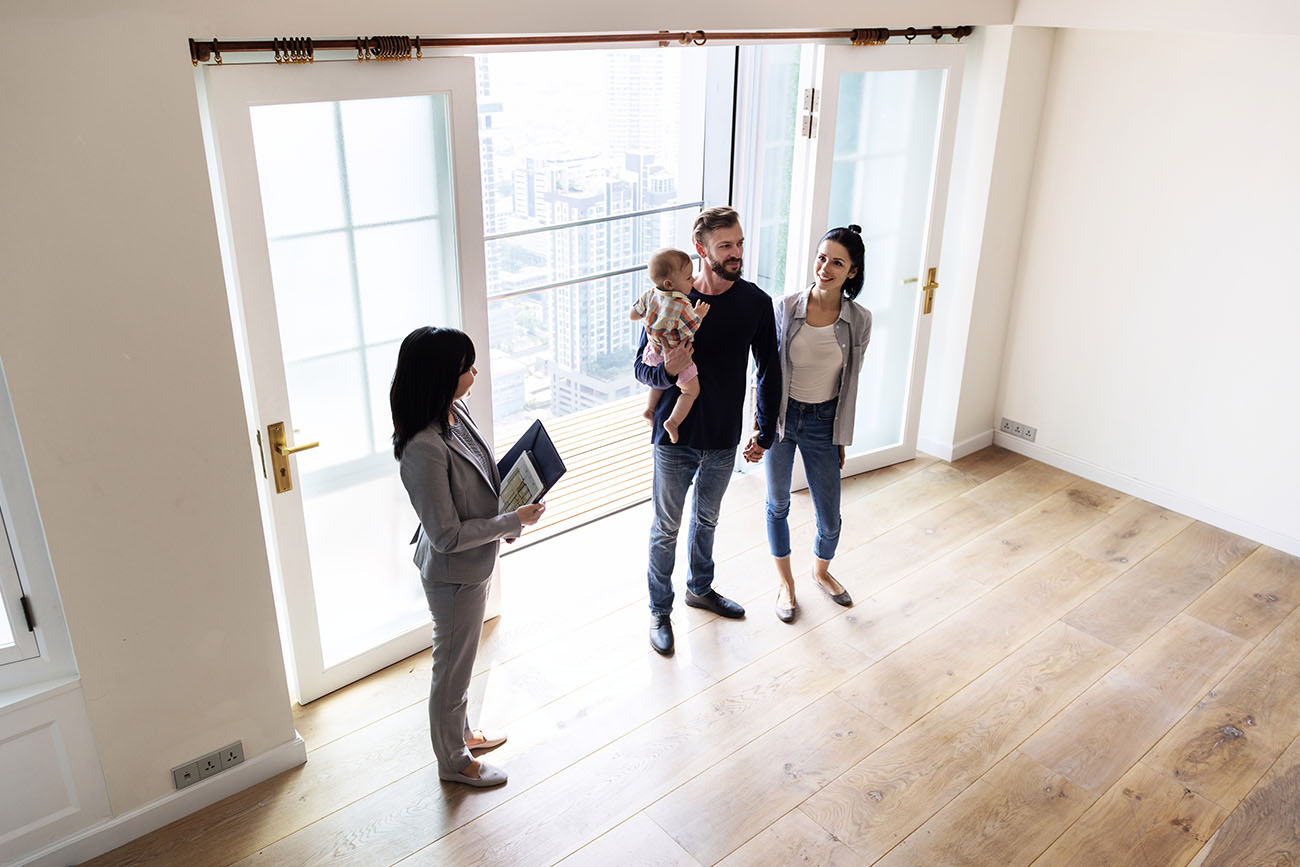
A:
{"x": 27, "y": 613}
{"x": 812, "y": 103}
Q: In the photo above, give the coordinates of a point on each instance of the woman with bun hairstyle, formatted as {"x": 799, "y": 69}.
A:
{"x": 452, "y": 479}
{"x": 822, "y": 334}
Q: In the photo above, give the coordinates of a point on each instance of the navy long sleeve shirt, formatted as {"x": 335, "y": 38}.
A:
{"x": 740, "y": 322}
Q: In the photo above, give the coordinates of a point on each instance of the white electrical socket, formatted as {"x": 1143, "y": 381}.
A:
{"x": 1017, "y": 429}
{"x": 231, "y": 755}
{"x": 209, "y": 765}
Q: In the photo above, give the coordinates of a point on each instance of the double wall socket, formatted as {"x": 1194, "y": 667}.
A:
{"x": 205, "y": 766}
{"x": 1016, "y": 429}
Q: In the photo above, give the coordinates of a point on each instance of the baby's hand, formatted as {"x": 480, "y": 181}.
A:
{"x": 701, "y": 308}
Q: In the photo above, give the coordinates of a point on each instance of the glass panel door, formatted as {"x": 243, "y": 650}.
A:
{"x": 883, "y": 152}
{"x": 355, "y": 217}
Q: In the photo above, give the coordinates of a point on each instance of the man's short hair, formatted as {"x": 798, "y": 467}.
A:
{"x": 664, "y": 262}
{"x": 711, "y": 220}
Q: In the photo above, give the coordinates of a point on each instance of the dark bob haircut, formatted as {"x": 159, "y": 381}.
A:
{"x": 429, "y": 365}
{"x": 850, "y": 238}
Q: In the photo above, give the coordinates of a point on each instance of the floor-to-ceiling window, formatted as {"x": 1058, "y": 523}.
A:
{"x": 590, "y": 161}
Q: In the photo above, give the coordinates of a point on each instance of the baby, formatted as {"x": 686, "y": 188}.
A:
{"x": 670, "y": 320}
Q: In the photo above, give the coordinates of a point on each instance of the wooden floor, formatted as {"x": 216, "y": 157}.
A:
{"x": 1038, "y": 670}
{"x": 608, "y": 465}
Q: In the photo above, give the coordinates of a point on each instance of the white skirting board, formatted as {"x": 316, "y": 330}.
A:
{"x": 111, "y": 833}
{"x": 952, "y": 451}
{"x": 1151, "y": 493}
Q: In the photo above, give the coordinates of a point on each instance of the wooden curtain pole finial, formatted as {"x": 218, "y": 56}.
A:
{"x": 194, "y": 53}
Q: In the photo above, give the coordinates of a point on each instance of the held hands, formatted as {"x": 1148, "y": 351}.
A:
{"x": 678, "y": 357}
{"x": 753, "y": 451}
{"x": 529, "y": 515}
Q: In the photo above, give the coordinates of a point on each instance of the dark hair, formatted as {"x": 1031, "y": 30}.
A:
{"x": 711, "y": 220}
{"x": 429, "y": 365}
{"x": 850, "y": 238}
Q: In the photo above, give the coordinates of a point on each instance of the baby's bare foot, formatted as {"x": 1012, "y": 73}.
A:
{"x": 649, "y": 415}
{"x": 671, "y": 427}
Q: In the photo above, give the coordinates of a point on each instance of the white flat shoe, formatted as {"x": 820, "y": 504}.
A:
{"x": 490, "y": 742}
{"x": 488, "y": 776}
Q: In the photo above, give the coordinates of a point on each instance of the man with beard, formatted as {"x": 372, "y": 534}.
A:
{"x": 740, "y": 322}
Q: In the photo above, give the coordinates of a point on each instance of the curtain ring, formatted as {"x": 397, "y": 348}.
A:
{"x": 194, "y": 53}
{"x": 275, "y": 45}
{"x": 419, "y": 52}
{"x": 216, "y": 51}
{"x": 700, "y": 38}
{"x": 360, "y": 54}
{"x": 937, "y": 32}
{"x": 311, "y": 51}
{"x": 910, "y": 35}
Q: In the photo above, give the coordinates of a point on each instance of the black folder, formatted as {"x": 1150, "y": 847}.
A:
{"x": 545, "y": 458}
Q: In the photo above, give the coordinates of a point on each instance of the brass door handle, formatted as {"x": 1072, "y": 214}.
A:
{"x": 280, "y": 451}
{"x": 931, "y": 284}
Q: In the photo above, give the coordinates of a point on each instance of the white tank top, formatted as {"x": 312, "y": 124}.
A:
{"x": 816, "y": 361}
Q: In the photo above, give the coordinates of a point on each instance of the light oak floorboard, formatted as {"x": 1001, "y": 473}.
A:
{"x": 1253, "y": 598}
{"x": 905, "y": 685}
{"x": 1101, "y": 735}
{"x": 1224, "y": 745}
{"x": 898, "y": 787}
{"x": 597, "y": 793}
{"x": 638, "y": 842}
{"x": 989, "y": 462}
{"x": 1130, "y": 534}
{"x": 738, "y": 797}
{"x": 793, "y": 839}
{"x": 1148, "y": 596}
{"x": 1006, "y": 818}
{"x": 1265, "y": 830}
{"x": 1145, "y": 818}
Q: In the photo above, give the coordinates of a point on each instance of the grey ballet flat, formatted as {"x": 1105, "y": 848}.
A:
{"x": 488, "y": 776}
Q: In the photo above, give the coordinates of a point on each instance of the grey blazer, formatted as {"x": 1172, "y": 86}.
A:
{"x": 460, "y": 529}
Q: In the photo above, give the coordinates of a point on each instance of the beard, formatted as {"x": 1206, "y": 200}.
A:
{"x": 727, "y": 269}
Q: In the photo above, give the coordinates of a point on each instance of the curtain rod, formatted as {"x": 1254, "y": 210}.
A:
{"x": 302, "y": 49}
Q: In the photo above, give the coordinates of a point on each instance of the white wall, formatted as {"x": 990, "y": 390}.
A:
{"x": 116, "y": 337}
{"x": 1153, "y": 334}
{"x": 1266, "y": 17}
{"x": 1001, "y": 108}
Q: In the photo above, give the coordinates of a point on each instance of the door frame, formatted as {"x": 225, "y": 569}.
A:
{"x": 817, "y": 163}
{"x": 226, "y": 94}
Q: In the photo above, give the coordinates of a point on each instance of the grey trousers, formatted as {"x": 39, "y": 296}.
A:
{"x": 457, "y": 611}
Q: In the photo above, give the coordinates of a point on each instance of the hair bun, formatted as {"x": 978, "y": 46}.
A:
{"x": 855, "y": 228}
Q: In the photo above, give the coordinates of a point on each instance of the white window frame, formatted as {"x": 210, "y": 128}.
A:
{"x": 46, "y": 655}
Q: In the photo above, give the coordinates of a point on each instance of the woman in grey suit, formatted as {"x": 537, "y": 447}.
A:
{"x": 449, "y": 473}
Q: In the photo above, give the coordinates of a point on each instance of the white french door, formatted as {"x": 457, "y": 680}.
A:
{"x": 882, "y": 121}
{"x": 354, "y": 215}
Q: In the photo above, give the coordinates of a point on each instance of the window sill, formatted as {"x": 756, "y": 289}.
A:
{"x": 33, "y": 693}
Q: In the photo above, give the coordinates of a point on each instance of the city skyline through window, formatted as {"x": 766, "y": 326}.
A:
{"x": 580, "y": 137}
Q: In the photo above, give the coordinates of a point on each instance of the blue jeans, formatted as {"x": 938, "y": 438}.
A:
{"x": 675, "y": 467}
{"x": 810, "y": 426}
